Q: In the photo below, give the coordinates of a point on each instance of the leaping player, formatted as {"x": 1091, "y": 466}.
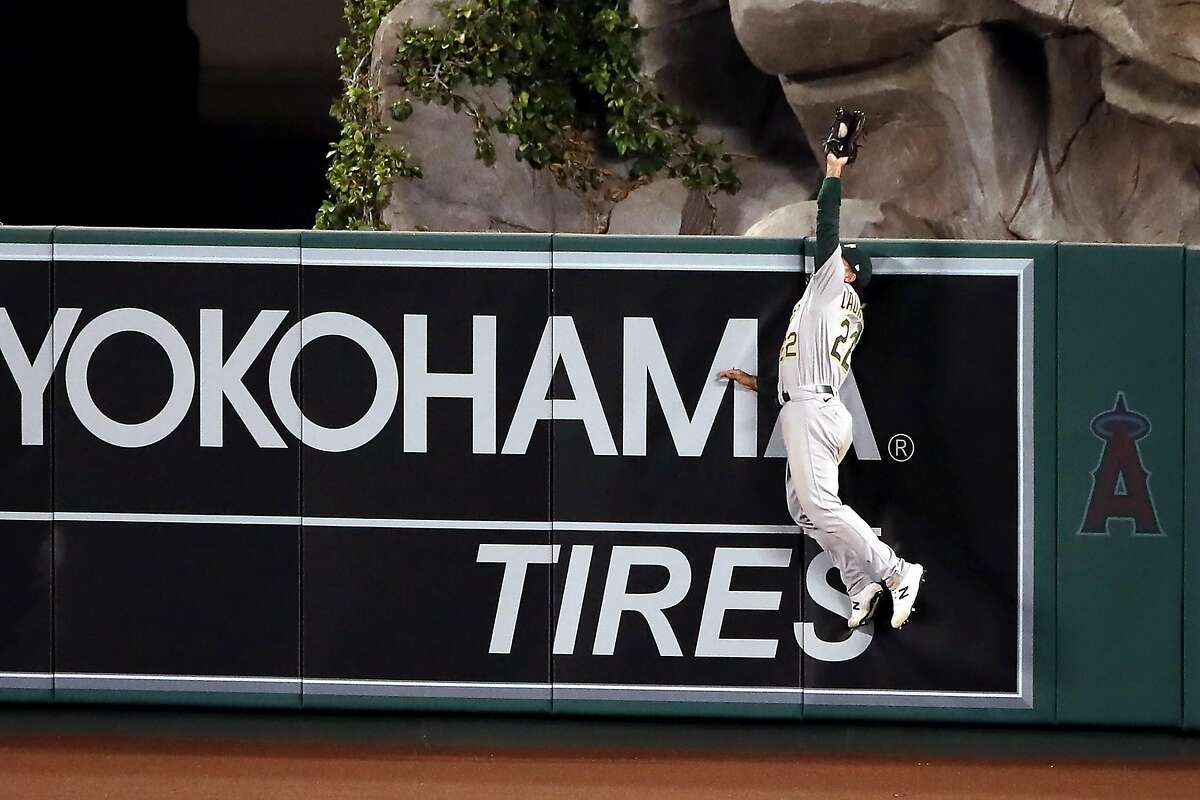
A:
{"x": 813, "y": 362}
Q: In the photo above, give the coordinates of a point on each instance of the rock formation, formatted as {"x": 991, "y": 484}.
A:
{"x": 860, "y": 218}
{"x": 1164, "y": 34}
{"x": 952, "y": 134}
{"x": 691, "y": 53}
{"x": 803, "y": 37}
{"x": 1106, "y": 174}
{"x": 1031, "y": 119}
{"x": 459, "y": 192}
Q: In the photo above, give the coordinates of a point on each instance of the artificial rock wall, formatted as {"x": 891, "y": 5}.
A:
{"x": 990, "y": 119}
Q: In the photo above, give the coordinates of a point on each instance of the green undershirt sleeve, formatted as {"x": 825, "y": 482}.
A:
{"x": 829, "y": 207}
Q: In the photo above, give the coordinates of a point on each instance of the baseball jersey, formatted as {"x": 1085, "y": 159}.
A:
{"x": 824, "y": 330}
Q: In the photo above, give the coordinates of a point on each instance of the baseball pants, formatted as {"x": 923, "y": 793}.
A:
{"x": 817, "y": 432}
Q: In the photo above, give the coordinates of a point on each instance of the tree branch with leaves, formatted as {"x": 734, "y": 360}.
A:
{"x": 576, "y": 88}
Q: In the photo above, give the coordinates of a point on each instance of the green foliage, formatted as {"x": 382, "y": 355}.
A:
{"x": 576, "y": 88}
{"x": 575, "y": 78}
{"x": 361, "y": 165}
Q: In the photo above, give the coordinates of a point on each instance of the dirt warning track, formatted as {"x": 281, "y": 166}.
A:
{"x": 211, "y": 756}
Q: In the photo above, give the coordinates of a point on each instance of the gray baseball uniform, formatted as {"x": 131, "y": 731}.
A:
{"x": 814, "y": 360}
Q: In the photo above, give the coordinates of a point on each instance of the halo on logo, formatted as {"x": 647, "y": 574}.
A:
{"x": 1120, "y": 420}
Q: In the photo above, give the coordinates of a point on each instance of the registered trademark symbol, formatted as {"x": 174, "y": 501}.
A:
{"x": 901, "y": 447}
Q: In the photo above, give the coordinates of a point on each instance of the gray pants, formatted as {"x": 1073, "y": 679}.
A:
{"x": 817, "y": 432}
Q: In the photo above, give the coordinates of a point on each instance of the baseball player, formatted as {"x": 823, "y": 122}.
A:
{"x": 814, "y": 360}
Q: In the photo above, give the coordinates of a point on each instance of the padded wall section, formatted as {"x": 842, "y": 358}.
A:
{"x": 677, "y": 579}
{"x": 951, "y": 395}
{"x": 176, "y": 467}
{"x": 484, "y": 472}
{"x": 27, "y": 347}
{"x": 426, "y": 482}
{"x": 1120, "y": 523}
{"x": 1191, "y": 500}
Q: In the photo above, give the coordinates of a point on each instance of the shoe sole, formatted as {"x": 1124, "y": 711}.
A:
{"x": 870, "y": 612}
{"x": 913, "y": 610}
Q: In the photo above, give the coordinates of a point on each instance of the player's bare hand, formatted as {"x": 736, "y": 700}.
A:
{"x": 834, "y": 165}
{"x": 744, "y": 378}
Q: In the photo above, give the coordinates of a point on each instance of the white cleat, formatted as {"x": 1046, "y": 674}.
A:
{"x": 862, "y": 605}
{"x": 904, "y": 588}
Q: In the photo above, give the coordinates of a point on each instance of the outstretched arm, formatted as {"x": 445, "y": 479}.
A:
{"x": 744, "y": 378}
{"x": 829, "y": 209}
{"x": 830, "y": 275}
{"x": 765, "y": 384}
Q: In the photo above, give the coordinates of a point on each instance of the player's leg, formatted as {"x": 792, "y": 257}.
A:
{"x": 846, "y": 562}
{"x": 814, "y": 434}
{"x": 862, "y": 601}
{"x": 905, "y": 580}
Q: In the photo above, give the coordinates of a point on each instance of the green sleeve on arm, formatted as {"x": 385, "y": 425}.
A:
{"x": 829, "y": 208}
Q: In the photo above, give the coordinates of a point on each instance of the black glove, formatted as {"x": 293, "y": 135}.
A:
{"x": 842, "y": 141}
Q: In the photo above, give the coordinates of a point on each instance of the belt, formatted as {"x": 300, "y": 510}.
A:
{"x": 818, "y": 388}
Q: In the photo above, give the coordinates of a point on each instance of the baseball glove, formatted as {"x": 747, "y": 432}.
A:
{"x": 847, "y": 127}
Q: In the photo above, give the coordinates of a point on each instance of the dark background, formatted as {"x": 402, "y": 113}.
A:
{"x": 690, "y": 310}
{"x": 175, "y": 475}
{"x": 26, "y": 564}
{"x": 415, "y": 604}
{"x": 157, "y": 598}
{"x": 380, "y": 479}
{"x": 947, "y": 377}
{"x": 172, "y": 113}
{"x": 136, "y": 595}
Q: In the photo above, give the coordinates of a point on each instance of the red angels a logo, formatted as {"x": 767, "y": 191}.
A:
{"x": 1120, "y": 482}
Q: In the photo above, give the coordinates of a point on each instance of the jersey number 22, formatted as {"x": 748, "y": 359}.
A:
{"x": 850, "y": 339}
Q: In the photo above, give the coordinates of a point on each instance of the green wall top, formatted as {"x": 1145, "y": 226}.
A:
{"x": 405, "y": 240}
{"x": 181, "y": 236}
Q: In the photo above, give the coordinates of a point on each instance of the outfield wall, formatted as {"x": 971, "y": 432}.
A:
{"x": 496, "y": 472}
